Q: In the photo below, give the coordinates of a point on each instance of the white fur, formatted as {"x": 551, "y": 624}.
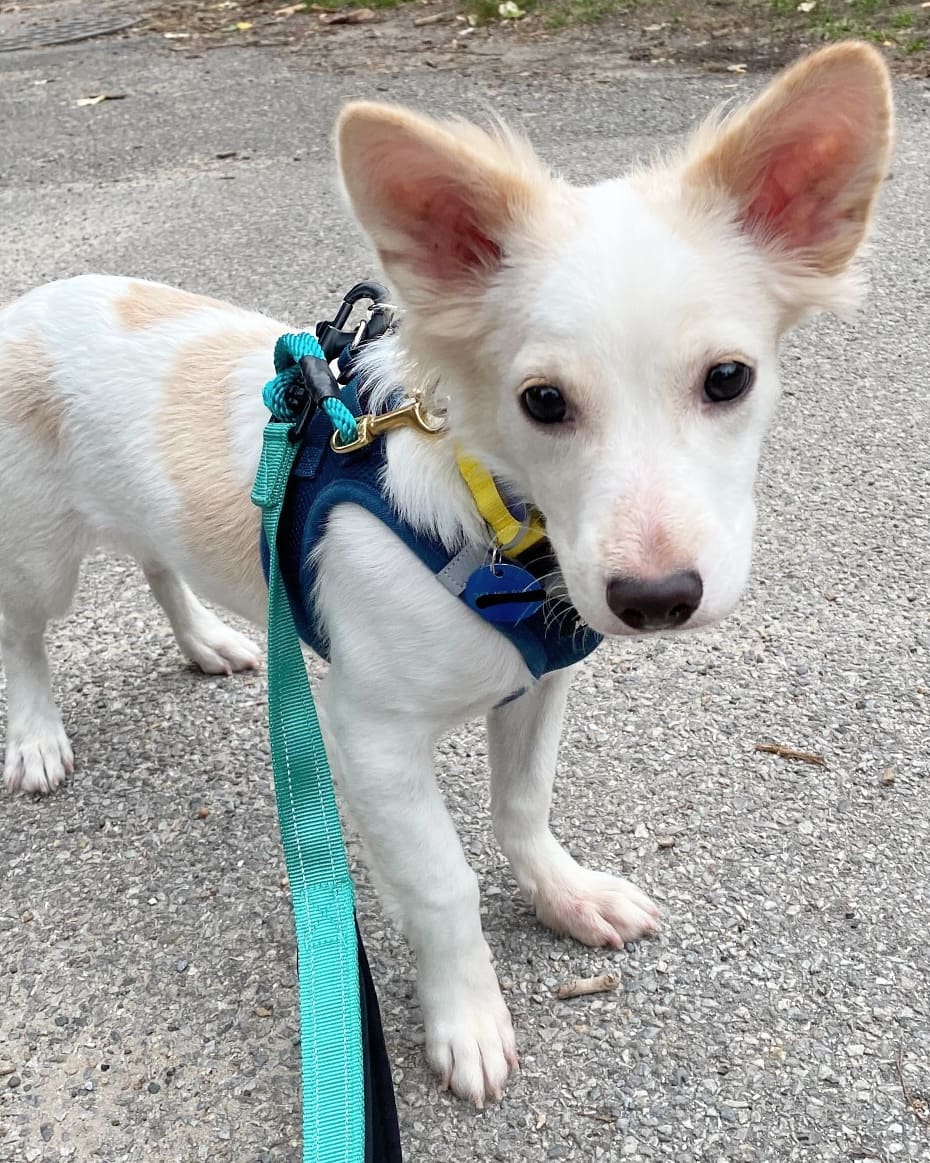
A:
{"x": 624, "y": 294}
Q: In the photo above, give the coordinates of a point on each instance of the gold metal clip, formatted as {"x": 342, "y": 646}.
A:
{"x": 410, "y": 414}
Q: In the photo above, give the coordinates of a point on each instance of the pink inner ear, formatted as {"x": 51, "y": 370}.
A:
{"x": 442, "y": 223}
{"x": 799, "y": 200}
{"x": 809, "y": 170}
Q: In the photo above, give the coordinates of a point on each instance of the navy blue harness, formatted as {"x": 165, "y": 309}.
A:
{"x": 322, "y": 479}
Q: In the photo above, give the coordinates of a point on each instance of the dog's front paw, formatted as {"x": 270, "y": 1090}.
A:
{"x": 469, "y": 1036}
{"x": 595, "y": 908}
{"x": 38, "y": 762}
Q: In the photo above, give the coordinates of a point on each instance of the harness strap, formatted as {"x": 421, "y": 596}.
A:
{"x": 454, "y": 575}
{"x": 321, "y": 888}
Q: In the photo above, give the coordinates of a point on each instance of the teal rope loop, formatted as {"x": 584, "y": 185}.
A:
{"x": 341, "y": 419}
{"x": 288, "y": 352}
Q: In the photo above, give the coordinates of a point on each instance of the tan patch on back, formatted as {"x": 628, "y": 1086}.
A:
{"x": 146, "y": 304}
{"x": 194, "y": 436}
{"x": 29, "y": 397}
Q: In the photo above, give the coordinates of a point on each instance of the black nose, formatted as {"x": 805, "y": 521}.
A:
{"x": 658, "y": 604}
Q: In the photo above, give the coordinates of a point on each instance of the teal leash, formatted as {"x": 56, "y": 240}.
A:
{"x": 322, "y": 892}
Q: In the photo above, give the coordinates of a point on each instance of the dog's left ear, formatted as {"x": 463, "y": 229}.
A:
{"x": 801, "y": 165}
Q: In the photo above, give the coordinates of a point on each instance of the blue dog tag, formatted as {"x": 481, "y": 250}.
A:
{"x": 501, "y": 592}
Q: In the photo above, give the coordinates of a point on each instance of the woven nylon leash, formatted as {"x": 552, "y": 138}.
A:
{"x": 322, "y": 893}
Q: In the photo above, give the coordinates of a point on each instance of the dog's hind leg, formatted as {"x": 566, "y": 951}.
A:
{"x": 36, "y": 584}
{"x": 203, "y": 637}
{"x": 523, "y": 742}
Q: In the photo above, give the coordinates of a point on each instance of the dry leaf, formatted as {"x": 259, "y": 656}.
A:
{"x": 348, "y": 16}
{"x": 176, "y": 35}
{"x": 290, "y": 9}
{"x": 736, "y": 68}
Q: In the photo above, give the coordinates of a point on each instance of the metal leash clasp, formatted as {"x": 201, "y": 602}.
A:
{"x": 410, "y": 414}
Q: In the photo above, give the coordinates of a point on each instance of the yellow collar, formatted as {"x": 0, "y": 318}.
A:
{"x": 512, "y": 535}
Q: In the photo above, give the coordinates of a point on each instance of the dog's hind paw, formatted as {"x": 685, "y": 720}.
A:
{"x": 595, "y": 908}
{"x": 470, "y": 1042}
{"x": 38, "y": 763}
{"x": 218, "y": 649}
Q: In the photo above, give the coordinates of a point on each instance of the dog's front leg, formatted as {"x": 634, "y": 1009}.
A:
{"x": 523, "y": 742}
{"x": 384, "y": 767}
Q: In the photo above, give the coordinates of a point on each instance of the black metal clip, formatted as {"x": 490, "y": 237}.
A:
{"x": 342, "y": 345}
{"x": 316, "y": 381}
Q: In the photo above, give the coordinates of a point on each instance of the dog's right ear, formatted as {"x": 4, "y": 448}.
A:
{"x": 439, "y": 201}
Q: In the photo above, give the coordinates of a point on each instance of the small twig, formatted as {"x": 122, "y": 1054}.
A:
{"x": 791, "y": 753}
{"x": 580, "y": 986}
{"x": 915, "y": 1105}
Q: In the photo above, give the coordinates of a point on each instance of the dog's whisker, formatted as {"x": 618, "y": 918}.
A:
{"x": 557, "y": 613}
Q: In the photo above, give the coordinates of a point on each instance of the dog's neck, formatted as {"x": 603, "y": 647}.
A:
{"x": 423, "y": 478}
{"x": 424, "y": 483}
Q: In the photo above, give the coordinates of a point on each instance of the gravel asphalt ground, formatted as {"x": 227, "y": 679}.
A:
{"x": 147, "y": 990}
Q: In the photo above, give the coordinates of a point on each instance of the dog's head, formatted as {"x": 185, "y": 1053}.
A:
{"x": 611, "y": 351}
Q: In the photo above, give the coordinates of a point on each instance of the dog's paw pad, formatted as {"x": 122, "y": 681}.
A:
{"x": 598, "y": 909}
{"x": 38, "y": 763}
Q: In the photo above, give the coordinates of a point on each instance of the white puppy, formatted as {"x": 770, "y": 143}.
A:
{"x": 608, "y": 353}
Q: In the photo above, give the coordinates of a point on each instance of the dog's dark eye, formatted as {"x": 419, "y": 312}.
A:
{"x": 727, "y": 381}
{"x": 544, "y": 403}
